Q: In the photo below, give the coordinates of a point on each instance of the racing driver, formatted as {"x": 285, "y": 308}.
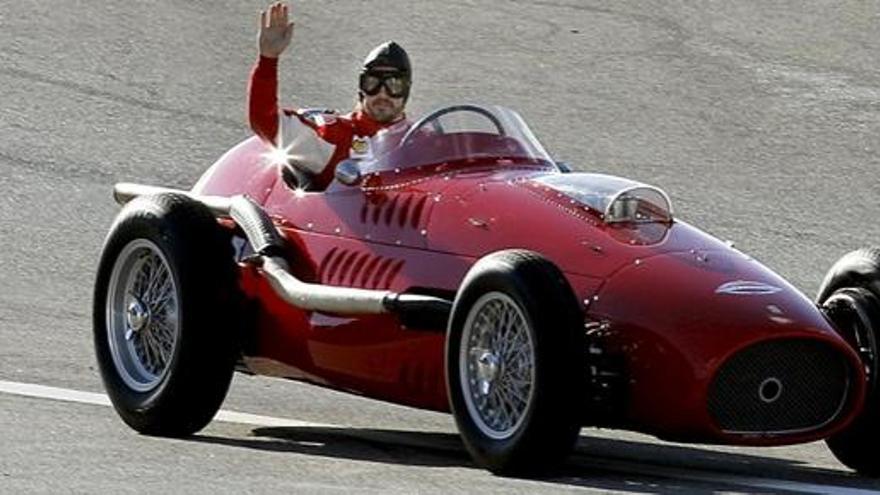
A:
{"x": 316, "y": 141}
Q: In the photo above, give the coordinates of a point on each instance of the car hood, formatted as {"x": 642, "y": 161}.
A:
{"x": 560, "y": 216}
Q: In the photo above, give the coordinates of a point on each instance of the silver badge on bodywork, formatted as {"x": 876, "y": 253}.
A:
{"x": 746, "y": 288}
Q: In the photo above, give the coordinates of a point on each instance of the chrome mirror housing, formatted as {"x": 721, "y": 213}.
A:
{"x": 348, "y": 172}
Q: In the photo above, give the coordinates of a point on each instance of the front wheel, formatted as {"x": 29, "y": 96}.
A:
{"x": 515, "y": 363}
{"x": 850, "y": 297}
{"x": 165, "y": 313}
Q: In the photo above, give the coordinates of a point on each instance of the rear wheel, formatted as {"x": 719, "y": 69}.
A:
{"x": 850, "y": 297}
{"x": 515, "y": 363}
{"x": 165, "y": 313}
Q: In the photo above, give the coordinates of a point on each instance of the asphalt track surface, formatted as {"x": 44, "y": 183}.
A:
{"x": 760, "y": 119}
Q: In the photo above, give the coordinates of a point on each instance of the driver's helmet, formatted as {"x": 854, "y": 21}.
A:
{"x": 392, "y": 56}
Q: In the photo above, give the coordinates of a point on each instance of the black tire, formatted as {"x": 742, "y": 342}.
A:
{"x": 551, "y": 420}
{"x": 850, "y": 297}
{"x": 182, "y": 235}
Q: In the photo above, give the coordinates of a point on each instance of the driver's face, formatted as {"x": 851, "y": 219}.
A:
{"x": 383, "y": 108}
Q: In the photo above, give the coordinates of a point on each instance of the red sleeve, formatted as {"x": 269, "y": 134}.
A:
{"x": 264, "y": 113}
{"x": 335, "y": 131}
{"x": 263, "y": 99}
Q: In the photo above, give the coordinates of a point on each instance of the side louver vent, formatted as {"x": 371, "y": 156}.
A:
{"x": 404, "y": 210}
{"x": 352, "y": 268}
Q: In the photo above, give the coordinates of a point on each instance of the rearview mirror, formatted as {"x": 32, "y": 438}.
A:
{"x": 348, "y": 172}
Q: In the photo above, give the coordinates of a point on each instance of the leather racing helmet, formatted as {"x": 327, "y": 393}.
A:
{"x": 391, "y": 55}
{"x": 388, "y": 54}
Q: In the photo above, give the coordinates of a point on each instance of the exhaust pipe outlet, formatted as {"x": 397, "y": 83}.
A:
{"x": 419, "y": 311}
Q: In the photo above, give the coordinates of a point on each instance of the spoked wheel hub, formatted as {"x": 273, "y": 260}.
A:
{"x": 137, "y": 317}
{"x": 488, "y": 368}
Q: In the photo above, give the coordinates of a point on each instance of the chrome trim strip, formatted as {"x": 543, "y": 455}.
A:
{"x": 746, "y": 288}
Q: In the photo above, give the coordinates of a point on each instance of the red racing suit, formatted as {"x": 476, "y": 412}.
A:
{"x": 267, "y": 120}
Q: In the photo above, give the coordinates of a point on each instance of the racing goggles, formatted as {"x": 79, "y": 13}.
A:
{"x": 396, "y": 83}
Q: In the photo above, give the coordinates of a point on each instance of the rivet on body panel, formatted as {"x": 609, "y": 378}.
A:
{"x": 476, "y": 222}
{"x": 777, "y": 315}
{"x": 776, "y": 310}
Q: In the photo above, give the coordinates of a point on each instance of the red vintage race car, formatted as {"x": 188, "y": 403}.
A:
{"x": 454, "y": 266}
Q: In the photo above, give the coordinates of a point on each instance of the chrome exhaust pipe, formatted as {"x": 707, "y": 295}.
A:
{"x": 268, "y": 243}
{"x": 315, "y": 297}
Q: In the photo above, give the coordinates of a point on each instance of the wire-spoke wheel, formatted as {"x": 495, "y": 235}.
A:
{"x": 142, "y": 315}
{"x": 515, "y": 365}
{"x": 850, "y": 298}
{"x": 166, "y": 315}
{"x": 497, "y": 363}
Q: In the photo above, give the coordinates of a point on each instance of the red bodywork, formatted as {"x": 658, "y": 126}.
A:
{"x": 648, "y": 291}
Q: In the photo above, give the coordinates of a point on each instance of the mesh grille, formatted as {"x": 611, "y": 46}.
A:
{"x": 779, "y": 386}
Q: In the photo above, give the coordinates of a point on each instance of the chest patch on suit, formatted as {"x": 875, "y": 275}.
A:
{"x": 360, "y": 148}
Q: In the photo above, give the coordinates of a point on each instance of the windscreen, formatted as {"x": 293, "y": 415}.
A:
{"x": 455, "y": 135}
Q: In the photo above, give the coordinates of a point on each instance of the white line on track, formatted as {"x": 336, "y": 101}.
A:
{"x": 752, "y": 482}
{"x": 67, "y": 395}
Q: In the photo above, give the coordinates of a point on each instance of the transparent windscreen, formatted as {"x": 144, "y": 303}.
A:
{"x": 457, "y": 134}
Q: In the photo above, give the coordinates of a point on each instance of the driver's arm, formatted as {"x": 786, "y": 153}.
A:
{"x": 275, "y": 33}
{"x": 263, "y": 113}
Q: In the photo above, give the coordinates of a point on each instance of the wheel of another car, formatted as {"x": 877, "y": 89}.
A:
{"x": 850, "y": 297}
{"x": 165, "y": 315}
{"x": 515, "y": 363}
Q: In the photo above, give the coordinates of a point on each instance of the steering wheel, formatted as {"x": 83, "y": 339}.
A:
{"x": 432, "y": 117}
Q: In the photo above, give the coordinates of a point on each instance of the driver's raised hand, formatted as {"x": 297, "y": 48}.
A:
{"x": 275, "y": 30}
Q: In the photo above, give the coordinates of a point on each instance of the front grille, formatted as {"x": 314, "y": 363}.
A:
{"x": 778, "y": 387}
